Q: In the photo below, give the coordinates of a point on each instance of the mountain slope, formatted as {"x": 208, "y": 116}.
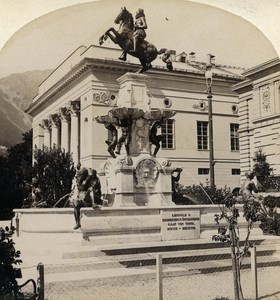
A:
{"x": 16, "y": 94}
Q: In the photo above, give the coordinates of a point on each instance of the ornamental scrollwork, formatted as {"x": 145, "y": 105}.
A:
{"x": 105, "y": 97}
{"x": 265, "y": 99}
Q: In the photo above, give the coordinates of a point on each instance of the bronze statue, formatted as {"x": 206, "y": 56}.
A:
{"x": 126, "y": 135}
{"x": 130, "y": 37}
{"x": 176, "y": 197}
{"x": 154, "y": 138}
{"x": 139, "y": 29}
{"x": 113, "y": 142}
{"x": 89, "y": 193}
{"x": 248, "y": 186}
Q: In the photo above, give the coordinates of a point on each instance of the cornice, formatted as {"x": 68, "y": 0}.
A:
{"x": 114, "y": 65}
{"x": 275, "y": 62}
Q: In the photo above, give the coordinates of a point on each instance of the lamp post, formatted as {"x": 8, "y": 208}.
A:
{"x": 208, "y": 76}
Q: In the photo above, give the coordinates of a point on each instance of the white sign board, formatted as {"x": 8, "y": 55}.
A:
{"x": 183, "y": 224}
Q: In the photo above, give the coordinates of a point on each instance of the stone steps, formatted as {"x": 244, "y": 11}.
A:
{"x": 140, "y": 260}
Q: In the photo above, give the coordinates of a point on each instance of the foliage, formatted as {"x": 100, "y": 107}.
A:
{"x": 230, "y": 233}
{"x": 261, "y": 167}
{"x": 199, "y": 194}
{"x": 15, "y": 175}
{"x": 9, "y": 257}
{"x": 53, "y": 173}
{"x": 270, "y": 218}
{"x": 271, "y": 182}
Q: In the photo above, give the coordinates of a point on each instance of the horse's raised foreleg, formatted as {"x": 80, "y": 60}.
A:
{"x": 109, "y": 34}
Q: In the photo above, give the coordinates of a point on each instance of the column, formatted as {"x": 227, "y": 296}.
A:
{"x": 75, "y": 129}
{"x": 47, "y": 132}
{"x": 65, "y": 128}
{"x": 55, "y": 138}
{"x": 38, "y": 136}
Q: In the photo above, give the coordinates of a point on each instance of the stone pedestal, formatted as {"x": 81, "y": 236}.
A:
{"x": 135, "y": 178}
{"x": 141, "y": 181}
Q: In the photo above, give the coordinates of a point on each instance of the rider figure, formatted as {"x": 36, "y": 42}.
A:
{"x": 139, "y": 33}
{"x": 139, "y": 29}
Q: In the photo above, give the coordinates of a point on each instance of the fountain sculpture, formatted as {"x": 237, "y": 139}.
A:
{"x": 134, "y": 176}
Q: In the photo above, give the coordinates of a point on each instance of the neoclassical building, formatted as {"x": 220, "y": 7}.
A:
{"x": 259, "y": 110}
{"x": 85, "y": 86}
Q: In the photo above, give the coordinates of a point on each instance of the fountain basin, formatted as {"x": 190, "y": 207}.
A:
{"x": 124, "y": 224}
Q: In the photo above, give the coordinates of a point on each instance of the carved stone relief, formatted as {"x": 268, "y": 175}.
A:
{"x": 106, "y": 98}
{"x": 146, "y": 173}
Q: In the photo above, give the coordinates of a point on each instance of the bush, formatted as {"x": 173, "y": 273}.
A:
{"x": 199, "y": 194}
{"x": 270, "y": 219}
{"x": 261, "y": 167}
{"x": 271, "y": 182}
{"x": 15, "y": 176}
{"x": 53, "y": 172}
{"x": 9, "y": 257}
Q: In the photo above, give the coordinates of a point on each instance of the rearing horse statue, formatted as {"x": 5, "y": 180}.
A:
{"x": 145, "y": 52}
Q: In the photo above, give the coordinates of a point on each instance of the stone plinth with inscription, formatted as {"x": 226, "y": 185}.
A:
{"x": 180, "y": 224}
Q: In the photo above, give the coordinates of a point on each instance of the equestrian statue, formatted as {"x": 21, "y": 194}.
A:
{"x": 131, "y": 38}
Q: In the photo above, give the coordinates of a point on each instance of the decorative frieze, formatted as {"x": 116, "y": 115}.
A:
{"x": 202, "y": 106}
{"x": 105, "y": 97}
{"x": 265, "y": 99}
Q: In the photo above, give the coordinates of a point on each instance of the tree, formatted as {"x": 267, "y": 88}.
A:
{"x": 53, "y": 173}
{"x": 230, "y": 233}
{"x": 261, "y": 167}
{"x": 9, "y": 257}
{"x": 15, "y": 175}
{"x": 20, "y": 169}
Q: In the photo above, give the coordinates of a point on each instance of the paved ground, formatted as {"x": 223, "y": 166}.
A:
{"x": 191, "y": 287}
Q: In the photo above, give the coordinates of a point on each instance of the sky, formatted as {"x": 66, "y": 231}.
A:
{"x": 39, "y": 34}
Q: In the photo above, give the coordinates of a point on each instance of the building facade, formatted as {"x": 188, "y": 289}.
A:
{"x": 85, "y": 86}
{"x": 259, "y": 110}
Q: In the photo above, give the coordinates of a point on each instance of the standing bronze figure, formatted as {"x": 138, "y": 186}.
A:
{"x": 155, "y": 138}
{"x": 125, "y": 138}
{"x": 131, "y": 38}
{"x": 112, "y": 143}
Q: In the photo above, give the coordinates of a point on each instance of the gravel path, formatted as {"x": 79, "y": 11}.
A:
{"x": 190, "y": 287}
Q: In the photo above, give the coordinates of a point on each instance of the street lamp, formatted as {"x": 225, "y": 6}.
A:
{"x": 209, "y": 76}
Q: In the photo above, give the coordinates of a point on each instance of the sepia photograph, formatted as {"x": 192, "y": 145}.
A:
{"x": 139, "y": 150}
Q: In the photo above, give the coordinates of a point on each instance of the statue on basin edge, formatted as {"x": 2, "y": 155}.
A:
{"x": 248, "y": 186}
{"x": 131, "y": 38}
{"x": 89, "y": 192}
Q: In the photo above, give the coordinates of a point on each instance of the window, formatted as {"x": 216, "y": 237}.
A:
{"x": 203, "y": 171}
{"x": 235, "y": 171}
{"x": 202, "y": 135}
{"x": 183, "y": 59}
{"x": 234, "y": 137}
{"x": 167, "y": 131}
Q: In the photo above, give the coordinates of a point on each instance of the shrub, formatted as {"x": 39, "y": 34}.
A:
{"x": 9, "y": 257}
{"x": 261, "y": 168}
{"x": 271, "y": 182}
{"x": 53, "y": 173}
{"x": 270, "y": 218}
{"x": 199, "y": 194}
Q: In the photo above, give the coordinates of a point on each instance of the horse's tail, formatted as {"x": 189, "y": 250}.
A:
{"x": 166, "y": 58}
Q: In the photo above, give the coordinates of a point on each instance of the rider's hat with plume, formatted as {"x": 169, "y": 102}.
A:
{"x": 140, "y": 13}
